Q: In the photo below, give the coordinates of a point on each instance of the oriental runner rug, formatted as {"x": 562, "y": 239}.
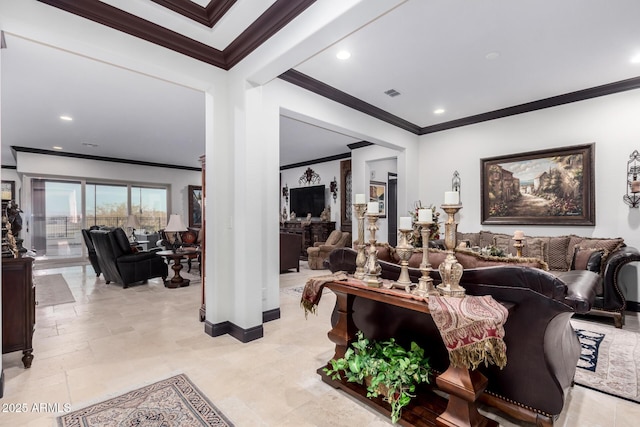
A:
{"x": 610, "y": 360}
{"x": 174, "y": 402}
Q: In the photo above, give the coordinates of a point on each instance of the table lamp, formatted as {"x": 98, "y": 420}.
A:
{"x": 176, "y": 226}
{"x": 133, "y": 223}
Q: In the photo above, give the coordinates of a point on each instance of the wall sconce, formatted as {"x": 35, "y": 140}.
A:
{"x": 285, "y": 193}
{"x": 633, "y": 185}
{"x": 333, "y": 187}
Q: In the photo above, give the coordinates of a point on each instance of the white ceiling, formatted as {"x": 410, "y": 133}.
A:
{"x": 434, "y": 52}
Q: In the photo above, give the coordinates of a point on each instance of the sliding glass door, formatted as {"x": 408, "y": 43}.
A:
{"x": 57, "y": 218}
{"x": 61, "y": 208}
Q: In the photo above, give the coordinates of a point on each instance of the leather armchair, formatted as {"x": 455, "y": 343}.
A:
{"x": 320, "y": 251}
{"x": 120, "y": 264}
{"x": 91, "y": 250}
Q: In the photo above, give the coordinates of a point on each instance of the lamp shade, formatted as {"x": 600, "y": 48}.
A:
{"x": 132, "y": 222}
{"x": 175, "y": 224}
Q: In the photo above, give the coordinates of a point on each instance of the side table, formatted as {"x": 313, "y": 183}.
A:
{"x": 177, "y": 281}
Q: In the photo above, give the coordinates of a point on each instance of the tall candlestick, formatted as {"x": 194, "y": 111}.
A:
{"x": 373, "y": 208}
{"x": 405, "y": 223}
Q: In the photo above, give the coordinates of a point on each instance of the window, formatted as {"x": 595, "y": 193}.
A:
{"x": 59, "y": 212}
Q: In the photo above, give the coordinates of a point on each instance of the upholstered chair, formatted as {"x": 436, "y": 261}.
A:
{"x": 321, "y": 250}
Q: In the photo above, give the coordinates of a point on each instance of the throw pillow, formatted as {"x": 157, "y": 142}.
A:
{"x": 610, "y": 245}
{"x": 588, "y": 259}
{"x": 533, "y": 247}
{"x": 470, "y": 259}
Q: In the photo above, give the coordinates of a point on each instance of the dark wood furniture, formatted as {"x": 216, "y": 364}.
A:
{"x": 18, "y": 307}
{"x": 177, "y": 281}
{"x": 427, "y": 409}
{"x": 311, "y": 232}
{"x": 290, "y": 251}
{"x": 202, "y": 311}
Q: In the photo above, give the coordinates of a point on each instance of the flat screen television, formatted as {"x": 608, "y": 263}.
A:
{"x": 304, "y": 200}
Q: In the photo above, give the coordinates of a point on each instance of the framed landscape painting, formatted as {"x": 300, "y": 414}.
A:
{"x": 195, "y": 206}
{"x": 550, "y": 187}
{"x": 378, "y": 193}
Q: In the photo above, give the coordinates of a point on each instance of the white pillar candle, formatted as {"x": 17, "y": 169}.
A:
{"x": 518, "y": 235}
{"x": 373, "y": 208}
{"x": 360, "y": 199}
{"x": 405, "y": 223}
{"x": 424, "y": 215}
{"x": 451, "y": 198}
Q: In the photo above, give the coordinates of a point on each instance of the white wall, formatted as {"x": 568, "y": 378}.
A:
{"x": 611, "y": 122}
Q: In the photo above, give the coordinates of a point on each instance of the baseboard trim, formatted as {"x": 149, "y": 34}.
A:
{"x": 633, "y": 306}
{"x": 241, "y": 334}
{"x": 246, "y": 335}
{"x": 269, "y": 315}
{"x": 1, "y": 383}
{"x": 217, "y": 329}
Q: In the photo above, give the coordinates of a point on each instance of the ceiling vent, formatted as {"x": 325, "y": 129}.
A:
{"x": 392, "y": 92}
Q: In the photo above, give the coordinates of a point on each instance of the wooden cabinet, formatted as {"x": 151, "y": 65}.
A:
{"x": 203, "y": 306}
{"x": 315, "y": 231}
{"x": 18, "y": 307}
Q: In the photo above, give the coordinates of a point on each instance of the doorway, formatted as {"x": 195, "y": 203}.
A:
{"x": 392, "y": 208}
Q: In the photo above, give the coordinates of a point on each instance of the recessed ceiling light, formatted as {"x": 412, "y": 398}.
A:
{"x": 492, "y": 55}
{"x": 57, "y": 147}
{"x": 343, "y": 54}
{"x": 635, "y": 59}
{"x": 439, "y": 111}
{"x": 67, "y": 118}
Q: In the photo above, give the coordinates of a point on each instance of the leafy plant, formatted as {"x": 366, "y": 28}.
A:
{"x": 386, "y": 368}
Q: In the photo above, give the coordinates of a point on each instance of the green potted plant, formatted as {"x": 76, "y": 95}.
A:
{"x": 386, "y": 368}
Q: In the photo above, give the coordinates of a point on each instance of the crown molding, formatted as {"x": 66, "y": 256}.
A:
{"x": 270, "y": 22}
{"x": 207, "y": 16}
{"x": 101, "y": 158}
{"x": 302, "y": 80}
{"x": 554, "y": 101}
{"x": 320, "y": 160}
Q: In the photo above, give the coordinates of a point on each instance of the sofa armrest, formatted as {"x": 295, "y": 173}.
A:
{"x": 613, "y": 297}
{"x": 318, "y": 244}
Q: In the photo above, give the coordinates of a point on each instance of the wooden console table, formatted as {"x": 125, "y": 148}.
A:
{"x": 427, "y": 408}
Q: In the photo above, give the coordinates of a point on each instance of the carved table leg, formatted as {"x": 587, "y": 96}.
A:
{"x": 464, "y": 387}
{"x": 344, "y": 332}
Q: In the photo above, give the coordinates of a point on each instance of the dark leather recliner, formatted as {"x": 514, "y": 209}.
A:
{"x": 91, "y": 250}
{"x": 120, "y": 264}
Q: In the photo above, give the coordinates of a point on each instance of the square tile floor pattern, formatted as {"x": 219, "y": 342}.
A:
{"x": 112, "y": 340}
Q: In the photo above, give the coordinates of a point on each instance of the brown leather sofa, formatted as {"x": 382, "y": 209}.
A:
{"x": 558, "y": 252}
{"x": 542, "y": 347}
{"x": 290, "y": 245}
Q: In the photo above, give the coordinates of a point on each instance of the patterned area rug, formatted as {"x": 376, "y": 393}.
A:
{"x": 609, "y": 360}
{"x": 174, "y": 402}
{"x": 52, "y": 289}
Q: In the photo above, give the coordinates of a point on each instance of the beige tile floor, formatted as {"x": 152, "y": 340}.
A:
{"x": 112, "y": 340}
